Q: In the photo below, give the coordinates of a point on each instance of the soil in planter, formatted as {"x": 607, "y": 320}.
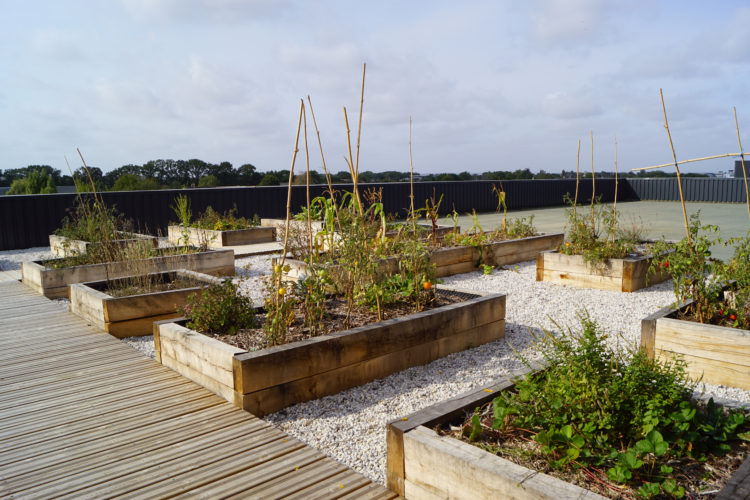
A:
{"x": 723, "y": 318}
{"x": 698, "y": 478}
{"x": 255, "y": 338}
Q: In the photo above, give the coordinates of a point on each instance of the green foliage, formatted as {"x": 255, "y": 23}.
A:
{"x": 228, "y": 221}
{"x": 487, "y": 269}
{"x": 695, "y": 274}
{"x": 184, "y": 213}
{"x": 37, "y": 181}
{"x": 626, "y": 414}
{"x": 219, "y": 309}
{"x": 269, "y": 179}
{"x": 133, "y": 182}
{"x": 208, "y": 181}
{"x": 595, "y": 235}
{"x": 279, "y": 308}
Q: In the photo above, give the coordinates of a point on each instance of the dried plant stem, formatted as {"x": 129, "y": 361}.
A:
{"x": 578, "y": 174}
{"x": 593, "y": 181}
{"x": 677, "y": 169}
{"x": 289, "y": 188}
{"x": 91, "y": 179}
{"x": 307, "y": 180}
{"x": 685, "y": 161}
{"x": 742, "y": 158}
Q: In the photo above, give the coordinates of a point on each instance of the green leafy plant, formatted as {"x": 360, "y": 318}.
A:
{"x": 228, "y": 221}
{"x": 596, "y": 237}
{"x": 184, "y": 213}
{"x": 622, "y": 417}
{"x": 219, "y": 309}
{"x": 487, "y": 269}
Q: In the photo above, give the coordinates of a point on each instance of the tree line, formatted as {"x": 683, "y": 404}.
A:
{"x": 177, "y": 174}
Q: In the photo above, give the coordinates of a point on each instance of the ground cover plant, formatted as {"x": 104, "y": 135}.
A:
{"x": 621, "y": 424}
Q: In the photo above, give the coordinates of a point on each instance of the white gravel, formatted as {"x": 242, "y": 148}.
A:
{"x": 10, "y": 260}
{"x": 350, "y": 426}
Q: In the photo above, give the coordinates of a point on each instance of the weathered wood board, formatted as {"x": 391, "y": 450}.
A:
{"x": 53, "y": 283}
{"x": 270, "y": 379}
{"x": 61, "y": 246}
{"x": 220, "y": 239}
{"x": 714, "y": 354}
{"x": 133, "y": 315}
{"x": 617, "y": 275}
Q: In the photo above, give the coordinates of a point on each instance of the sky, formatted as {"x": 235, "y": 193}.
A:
{"x": 489, "y": 85}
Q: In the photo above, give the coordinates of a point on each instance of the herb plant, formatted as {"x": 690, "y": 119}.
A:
{"x": 219, "y": 309}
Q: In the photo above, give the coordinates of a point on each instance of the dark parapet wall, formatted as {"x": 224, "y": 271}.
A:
{"x": 694, "y": 189}
{"x": 28, "y": 220}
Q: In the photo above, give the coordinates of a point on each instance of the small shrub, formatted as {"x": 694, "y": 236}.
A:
{"x": 219, "y": 309}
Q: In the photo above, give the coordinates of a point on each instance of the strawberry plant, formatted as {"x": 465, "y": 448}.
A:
{"x": 620, "y": 418}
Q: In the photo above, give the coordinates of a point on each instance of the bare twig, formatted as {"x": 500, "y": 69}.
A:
{"x": 742, "y": 157}
{"x": 677, "y": 169}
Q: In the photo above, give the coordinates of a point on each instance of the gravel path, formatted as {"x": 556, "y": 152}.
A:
{"x": 350, "y": 426}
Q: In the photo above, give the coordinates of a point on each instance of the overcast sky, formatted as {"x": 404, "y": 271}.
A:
{"x": 491, "y": 85}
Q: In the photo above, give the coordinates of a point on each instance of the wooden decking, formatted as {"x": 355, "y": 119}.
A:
{"x": 83, "y": 415}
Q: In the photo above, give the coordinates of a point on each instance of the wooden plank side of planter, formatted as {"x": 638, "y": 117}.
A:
{"x": 118, "y": 309}
{"x": 137, "y": 327}
{"x": 202, "y": 359}
{"x": 720, "y": 355}
{"x": 53, "y": 283}
{"x": 635, "y": 275}
{"x": 278, "y": 365}
{"x": 88, "y": 303}
{"x": 274, "y": 398}
{"x": 448, "y": 468}
{"x": 575, "y": 264}
{"x": 503, "y": 253}
{"x": 218, "y": 239}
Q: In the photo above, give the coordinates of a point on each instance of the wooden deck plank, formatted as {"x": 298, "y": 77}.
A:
{"x": 83, "y": 415}
{"x": 113, "y": 464}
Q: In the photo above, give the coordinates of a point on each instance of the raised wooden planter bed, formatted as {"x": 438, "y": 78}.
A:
{"x": 133, "y": 315}
{"x": 220, "y": 239}
{"x": 53, "y": 283}
{"x": 618, "y": 275}
{"x": 465, "y": 259}
{"x": 718, "y": 354}
{"x": 61, "y": 246}
{"x": 270, "y": 379}
{"x": 420, "y": 464}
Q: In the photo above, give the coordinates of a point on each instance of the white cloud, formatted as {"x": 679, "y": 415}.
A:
{"x": 224, "y": 11}
{"x": 563, "y": 106}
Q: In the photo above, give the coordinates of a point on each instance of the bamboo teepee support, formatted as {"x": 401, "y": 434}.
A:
{"x": 578, "y": 168}
{"x": 359, "y": 126}
{"x": 411, "y": 181}
{"x": 677, "y": 169}
{"x": 289, "y": 188}
{"x": 325, "y": 169}
{"x": 742, "y": 157}
{"x": 685, "y": 161}
{"x": 350, "y": 164}
{"x": 614, "y": 205}
{"x": 593, "y": 181}
{"x": 307, "y": 181}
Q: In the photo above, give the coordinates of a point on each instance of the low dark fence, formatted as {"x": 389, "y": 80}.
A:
{"x": 693, "y": 188}
{"x": 27, "y": 220}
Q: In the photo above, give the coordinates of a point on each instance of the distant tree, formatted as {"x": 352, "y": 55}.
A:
{"x": 224, "y": 172}
{"x": 247, "y": 175}
{"x": 37, "y": 181}
{"x": 132, "y": 182}
{"x": 209, "y": 180}
{"x": 269, "y": 179}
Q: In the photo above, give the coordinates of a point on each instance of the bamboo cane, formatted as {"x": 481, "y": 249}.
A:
{"x": 289, "y": 188}
{"x": 325, "y": 169}
{"x": 742, "y": 158}
{"x": 307, "y": 183}
{"x": 578, "y": 166}
{"x": 593, "y": 182}
{"x": 677, "y": 169}
{"x": 411, "y": 183}
{"x": 361, "y": 106}
{"x": 685, "y": 161}
{"x": 350, "y": 164}
{"x": 614, "y": 206}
